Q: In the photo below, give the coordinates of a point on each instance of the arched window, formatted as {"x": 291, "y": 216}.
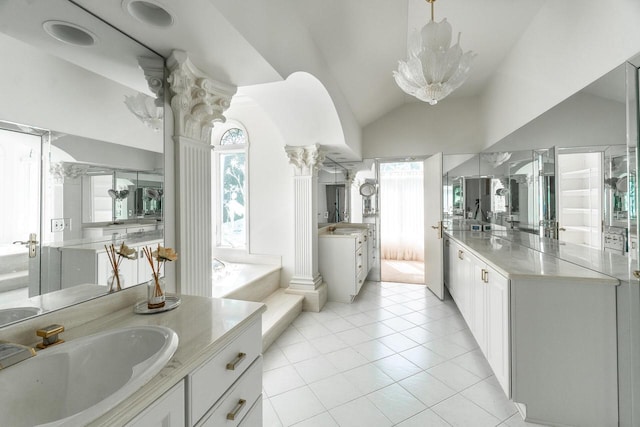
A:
{"x": 230, "y": 186}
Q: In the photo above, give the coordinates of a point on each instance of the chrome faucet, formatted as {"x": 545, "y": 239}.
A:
{"x": 11, "y": 353}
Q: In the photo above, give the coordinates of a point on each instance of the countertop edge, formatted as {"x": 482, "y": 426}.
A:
{"x": 181, "y": 364}
{"x": 602, "y": 279}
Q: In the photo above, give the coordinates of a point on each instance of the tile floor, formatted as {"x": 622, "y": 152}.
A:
{"x": 396, "y": 356}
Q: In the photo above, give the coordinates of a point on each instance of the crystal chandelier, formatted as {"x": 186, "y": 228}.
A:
{"x": 433, "y": 68}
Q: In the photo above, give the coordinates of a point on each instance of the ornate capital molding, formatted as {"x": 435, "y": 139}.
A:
{"x": 306, "y": 160}
{"x": 198, "y": 102}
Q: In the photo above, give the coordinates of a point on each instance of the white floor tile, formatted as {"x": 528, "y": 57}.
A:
{"x": 423, "y": 357}
{"x": 353, "y": 336}
{"x": 269, "y": 416}
{"x": 273, "y": 358}
{"x": 397, "y": 342}
{"x": 368, "y": 364}
{"x": 420, "y": 335}
{"x": 359, "y": 413}
{"x": 315, "y": 369}
{"x": 346, "y": 359}
{"x": 427, "y": 388}
{"x": 491, "y": 398}
{"x": 517, "y": 421}
{"x": 426, "y": 418}
{"x": 475, "y": 363}
{"x": 460, "y": 412}
{"x": 396, "y": 403}
{"x": 359, "y": 319}
{"x": 368, "y": 378}
{"x": 328, "y": 344}
{"x": 280, "y": 380}
{"x": 300, "y": 351}
{"x": 445, "y": 348}
{"x": 338, "y": 325}
{"x": 335, "y": 391}
{"x": 453, "y": 375}
{"x": 377, "y": 329}
{"x": 296, "y": 405}
{"x": 289, "y": 336}
{"x": 321, "y": 420}
{"x": 397, "y": 367}
{"x": 373, "y": 350}
{"x": 313, "y": 331}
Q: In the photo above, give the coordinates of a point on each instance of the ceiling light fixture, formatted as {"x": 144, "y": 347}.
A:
{"x": 148, "y": 12}
{"x": 433, "y": 68}
{"x": 69, "y": 33}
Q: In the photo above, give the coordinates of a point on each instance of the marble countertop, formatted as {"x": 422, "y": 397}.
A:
{"x": 515, "y": 260}
{"x": 97, "y": 243}
{"x": 204, "y": 326}
{"x": 349, "y": 229}
{"x": 608, "y": 263}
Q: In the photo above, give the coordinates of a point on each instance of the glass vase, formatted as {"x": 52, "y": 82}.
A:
{"x": 155, "y": 292}
{"x": 115, "y": 282}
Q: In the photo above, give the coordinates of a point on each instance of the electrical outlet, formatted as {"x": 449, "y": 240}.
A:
{"x": 326, "y": 214}
{"x": 57, "y": 224}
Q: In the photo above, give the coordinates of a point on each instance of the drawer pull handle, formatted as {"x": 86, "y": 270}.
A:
{"x": 239, "y": 358}
{"x": 233, "y": 414}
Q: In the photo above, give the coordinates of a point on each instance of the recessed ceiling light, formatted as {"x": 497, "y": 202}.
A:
{"x": 148, "y": 12}
{"x": 70, "y": 33}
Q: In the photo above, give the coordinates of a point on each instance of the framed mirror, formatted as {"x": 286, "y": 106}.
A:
{"x": 79, "y": 117}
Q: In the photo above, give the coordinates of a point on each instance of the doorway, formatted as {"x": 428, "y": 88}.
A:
{"x": 402, "y": 221}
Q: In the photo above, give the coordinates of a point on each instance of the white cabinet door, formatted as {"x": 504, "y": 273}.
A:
{"x": 498, "y": 331}
{"x": 478, "y": 295}
{"x": 168, "y": 411}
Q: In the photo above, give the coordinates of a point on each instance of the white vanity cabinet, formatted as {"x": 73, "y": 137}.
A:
{"x": 90, "y": 264}
{"x": 343, "y": 264}
{"x": 224, "y": 389}
{"x": 547, "y": 328}
{"x": 482, "y": 296}
{"x": 168, "y": 411}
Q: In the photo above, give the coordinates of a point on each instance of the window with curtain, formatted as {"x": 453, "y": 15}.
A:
{"x": 402, "y": 211}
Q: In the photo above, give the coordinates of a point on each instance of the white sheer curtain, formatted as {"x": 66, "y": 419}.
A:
{"x": 401, "y": 215}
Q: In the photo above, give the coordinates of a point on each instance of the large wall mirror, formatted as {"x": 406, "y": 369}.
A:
{"x": 564, "y": 175}
{"x": 81, "y": 155}
{"x": 333, "y": 193}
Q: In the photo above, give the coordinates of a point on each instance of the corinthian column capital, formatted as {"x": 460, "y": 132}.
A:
{"x": 306, "y": 160}
{"x": 197, "y": 101}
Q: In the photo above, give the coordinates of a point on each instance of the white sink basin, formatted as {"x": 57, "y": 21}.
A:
{"x": 14, "y": 314}
{"x": 75, "y": 382}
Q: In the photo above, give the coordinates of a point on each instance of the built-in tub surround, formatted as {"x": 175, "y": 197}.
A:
{"x": 205, "y": 326}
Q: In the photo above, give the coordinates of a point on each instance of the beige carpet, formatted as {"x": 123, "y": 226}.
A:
{"x": 402, "y": 271}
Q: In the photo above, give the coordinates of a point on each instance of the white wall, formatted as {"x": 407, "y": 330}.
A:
{"x": 289, "y": 48}
{"x": 43, "y": 91}
{"x": 581, "y": 120}
{"x": 568, "y": 45}
{"x": 417, "y": 129}
{"x": 271, "y": 203}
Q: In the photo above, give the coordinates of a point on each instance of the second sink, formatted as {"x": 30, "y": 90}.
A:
{"x": 75, "y": 382}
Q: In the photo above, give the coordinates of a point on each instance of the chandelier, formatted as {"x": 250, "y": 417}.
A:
{"x": 433, "y": 68}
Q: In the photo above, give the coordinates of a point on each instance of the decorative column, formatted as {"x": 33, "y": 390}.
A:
{"x": 306, "y": 279}
{"x": 198, "y": 102}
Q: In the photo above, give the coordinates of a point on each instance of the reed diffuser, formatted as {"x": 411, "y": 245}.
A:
{"x": 155, "y": 286}
{"x": 115, "y": 282}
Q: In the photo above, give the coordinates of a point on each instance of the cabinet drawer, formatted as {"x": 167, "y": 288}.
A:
{"x": 168, "y": 410}
{"x": 209, "y": 382}
{"x": 254, "y": 417}
{"x": 237, "y": 402}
